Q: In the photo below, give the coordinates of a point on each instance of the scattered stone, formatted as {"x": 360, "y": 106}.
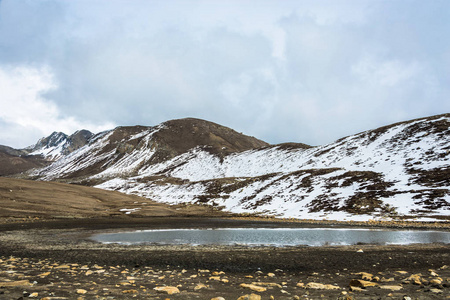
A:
{"x": 433, "y": 273}
{"x": 269, "y": 284}
{"x": 360, "y": 251}
{"x": 215, "y": 273}
{"x": 216, "y": 278}
{"x": 44, "y": 274}
{"x": 33, "y": 295}
{"x": 320, "y": 286}
{"x": 63, "y": 267}
{"x": 391, "y": 287}
{"x": 218, "y": 298}
{"x": 361, "y": 283}
{"x": 365, "y": 276}
{"x": 270, "y": 274}
{"x": 401, "y": 272}
{"x": 387, "y": 279}
{"x": 81, "y": 291}
{"x": 130, "y": 292}
{"x": 301, "y": 285}
{"x": 436, "y": 291}
{"x": 356, "y": 289}
{"x": 89, "y": 272}
{"x": 414, "y": 279}
{"x": 170, "y": 290}
{"x": 436, "y": 281}
{"x": 15, "y": 283}
{"x": 250, "y": 297}
{"x": 200, "y": 286}
{"x": 253, "y": 287}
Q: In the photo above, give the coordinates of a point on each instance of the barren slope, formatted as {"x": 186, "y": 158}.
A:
{"x": 14, "y": 161}
{"x": 25, "y": 199}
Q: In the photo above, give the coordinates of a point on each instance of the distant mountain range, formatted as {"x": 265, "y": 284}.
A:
{"x": 396, "y": 171}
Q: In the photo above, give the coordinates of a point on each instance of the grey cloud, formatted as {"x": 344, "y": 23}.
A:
{"x": 346, "y": 67}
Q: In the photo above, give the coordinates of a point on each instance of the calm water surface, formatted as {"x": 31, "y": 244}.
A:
{"x": 274, "y": 236}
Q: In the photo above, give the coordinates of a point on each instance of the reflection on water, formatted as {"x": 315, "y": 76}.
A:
{"x": 275, "y": 236}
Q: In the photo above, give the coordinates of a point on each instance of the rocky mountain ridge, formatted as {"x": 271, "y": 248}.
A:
{"x": 401, "y": 170}
{"x": 44, "y": 152}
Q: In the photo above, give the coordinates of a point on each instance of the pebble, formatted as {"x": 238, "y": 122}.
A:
{"x": 200, "y": 286}
{"x": 270, "y": 284}
{"x": 361, "y": 283}
{"x": 108, "y": 282}
{"x": 170, "y": 290}
{"x": 253, "y": 287}
{"x": 391, "y": 287}
{"x": 250, "y": 297}
{"x": 320, "y": 286}
{"x": 81, "y": 291}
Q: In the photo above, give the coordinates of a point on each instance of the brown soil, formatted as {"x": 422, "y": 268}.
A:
{"x": 22, "y": 200}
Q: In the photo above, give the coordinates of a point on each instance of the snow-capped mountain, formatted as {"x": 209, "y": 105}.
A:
{"x": 400, "y": 170}
{"x": 45, "y": 151}
{"x": 59, "y": 144}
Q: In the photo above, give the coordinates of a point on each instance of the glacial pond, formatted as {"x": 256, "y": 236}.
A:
{"x": 279, "y": 237}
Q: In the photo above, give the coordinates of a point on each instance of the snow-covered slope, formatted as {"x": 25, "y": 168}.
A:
{"x": 397, "y": 170}
{"x": 125, "y": 151}
{"x": 59, "y": 144}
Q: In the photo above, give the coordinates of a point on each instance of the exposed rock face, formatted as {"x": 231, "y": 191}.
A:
{"x": 45, "y": 151}
{"x": 59, "y": 144}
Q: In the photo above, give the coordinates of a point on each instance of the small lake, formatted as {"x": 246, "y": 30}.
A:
{"x": 274, "y": 236}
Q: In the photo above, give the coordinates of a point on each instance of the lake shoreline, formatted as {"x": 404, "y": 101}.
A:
{"x": 64, "y": 242}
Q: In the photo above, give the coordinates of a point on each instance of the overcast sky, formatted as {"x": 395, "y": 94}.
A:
{"x": 282, "y": 71}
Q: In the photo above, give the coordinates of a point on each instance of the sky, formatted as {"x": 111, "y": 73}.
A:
{"x": 282, "y": 71}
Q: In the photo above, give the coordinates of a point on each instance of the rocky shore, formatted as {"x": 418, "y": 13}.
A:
{"x": 57, "y": 260}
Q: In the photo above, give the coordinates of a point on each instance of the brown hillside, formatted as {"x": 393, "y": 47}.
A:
{"x": 26, "y": 199}
{"x": 12, "y": 164}
{"x": 178, "y": 136}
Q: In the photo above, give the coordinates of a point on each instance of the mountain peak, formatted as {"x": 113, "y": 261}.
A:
{"x": 185, "y": 134}
{"x": 59, "y": 144}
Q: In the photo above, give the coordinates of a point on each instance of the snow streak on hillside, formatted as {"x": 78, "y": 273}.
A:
{"x": 397, "y": 170}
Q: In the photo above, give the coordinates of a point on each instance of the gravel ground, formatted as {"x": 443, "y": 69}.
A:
{"x": 57, "y": 260}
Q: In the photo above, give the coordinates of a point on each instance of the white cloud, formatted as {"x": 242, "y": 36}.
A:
{"x": 25, "y": 110}
{"x": 386, "y": 73}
